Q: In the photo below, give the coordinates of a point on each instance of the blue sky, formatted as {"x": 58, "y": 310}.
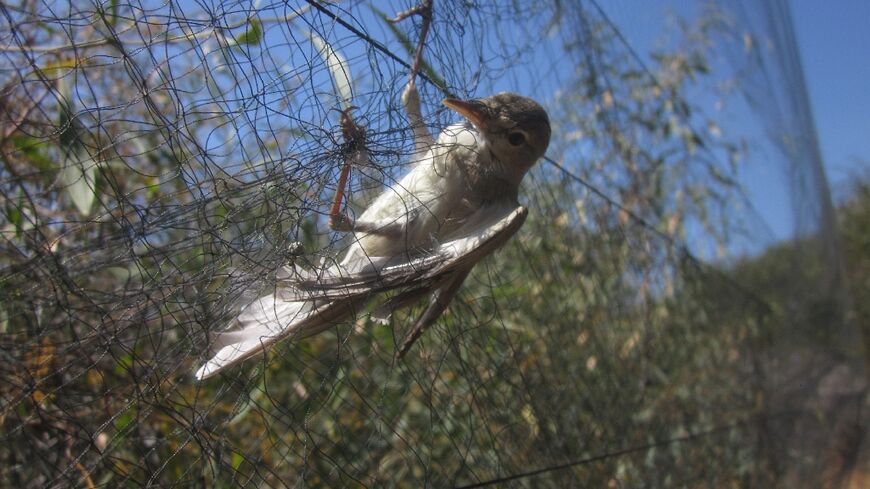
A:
{"x": 834, "y": 40}
{"x": 834, "y": 44}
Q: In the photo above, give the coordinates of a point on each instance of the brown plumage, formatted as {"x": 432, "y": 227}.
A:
{"x": 421, "y": 236}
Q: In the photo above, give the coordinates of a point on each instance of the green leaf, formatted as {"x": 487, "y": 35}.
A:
{"x": 20, "y": 219}
{"x": 253, "y": 33}
{"x": 16, "y": 219}
{"x": 254, "y": 397}
{"x": 124, "y": 364}
{"x": 337, "y": 66}
{"x": 237, "y": 460}
{"x": 110, "y": 15}
{"x": 32, "y": 149}
{"x": 122, "y": 274}
{"x": 122, "y": 422}
{"x": 78, "y": 177}
{"x": 4, "y": 320}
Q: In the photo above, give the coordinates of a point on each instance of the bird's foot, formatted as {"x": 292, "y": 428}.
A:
{"x": 354, "y": 135}
{"x": 341, "y": 222}
{"x": 424, "y": 10}
{"x": 354, "y": 150}
{"x": 423, "y": 139}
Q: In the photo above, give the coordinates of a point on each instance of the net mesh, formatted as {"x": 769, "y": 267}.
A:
{"x": 652, "y": 324}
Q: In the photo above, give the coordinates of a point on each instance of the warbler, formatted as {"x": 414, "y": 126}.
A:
{"x": 421, "y": 236}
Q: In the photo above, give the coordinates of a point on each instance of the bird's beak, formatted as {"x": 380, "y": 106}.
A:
{"x": 473, "y": 110}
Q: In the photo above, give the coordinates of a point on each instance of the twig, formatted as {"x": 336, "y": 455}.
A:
{"x": 8, "y": 130}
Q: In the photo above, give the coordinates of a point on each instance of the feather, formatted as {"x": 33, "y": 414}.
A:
{"x": 458, "y": 254}
{"x": 442, "y": 298}
{"x": 306, "y": 303}
{"x": 269, "y": 320}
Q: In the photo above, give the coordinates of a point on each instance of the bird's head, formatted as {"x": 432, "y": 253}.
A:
{"x": 515, "y": 128}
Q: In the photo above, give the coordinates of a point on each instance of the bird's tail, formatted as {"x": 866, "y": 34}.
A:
{"x": 267, "y": 321}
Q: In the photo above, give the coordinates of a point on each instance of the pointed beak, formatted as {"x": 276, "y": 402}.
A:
{"x": 473, "y": 110}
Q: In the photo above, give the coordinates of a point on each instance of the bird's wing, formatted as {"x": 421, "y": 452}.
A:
{"x": 307, "y": 303}
{"x": 442, "y": 298}
{"x": 485, "y": 232}
{"x": 267, "y": 321}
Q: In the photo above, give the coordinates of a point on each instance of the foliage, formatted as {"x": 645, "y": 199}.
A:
{"x": 853, "y": 218}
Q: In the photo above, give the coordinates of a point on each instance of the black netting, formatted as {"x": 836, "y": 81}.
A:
{"x": 651, "y": 325}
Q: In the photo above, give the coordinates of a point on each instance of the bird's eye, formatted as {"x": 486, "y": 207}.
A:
{"x": 516, "y": 138}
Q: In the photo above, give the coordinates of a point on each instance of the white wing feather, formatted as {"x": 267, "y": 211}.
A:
{"x": 291, "y": 311}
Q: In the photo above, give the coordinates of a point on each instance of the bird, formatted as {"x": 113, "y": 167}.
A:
{"x": 420, "y": 237}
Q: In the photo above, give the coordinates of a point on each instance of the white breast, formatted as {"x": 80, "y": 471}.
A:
{"x": 425, "y": 196}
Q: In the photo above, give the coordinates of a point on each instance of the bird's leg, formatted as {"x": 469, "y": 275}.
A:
{"x": 423, "y": 139}
{"x": 391, "y": 228}
{"x": 354, "y": 136}
{"x": 410, "y": 97}
{"x": 443, "y": 297}
{"x": 424, "y": 10}
{"x": 354, "y": 151}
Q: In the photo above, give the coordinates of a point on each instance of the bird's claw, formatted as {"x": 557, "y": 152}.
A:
{"x": 424, "y": 10}
{"x": 354, "y": 150}
{"x": 354, "y": 134}
{"x": 341, "y": 222}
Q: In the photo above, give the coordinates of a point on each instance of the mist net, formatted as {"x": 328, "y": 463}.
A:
{"x": 671, "y": 314}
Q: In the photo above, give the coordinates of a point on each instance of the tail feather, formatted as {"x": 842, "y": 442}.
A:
{"x": 267, "y": 321}
{"x": 265, "y": 317}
